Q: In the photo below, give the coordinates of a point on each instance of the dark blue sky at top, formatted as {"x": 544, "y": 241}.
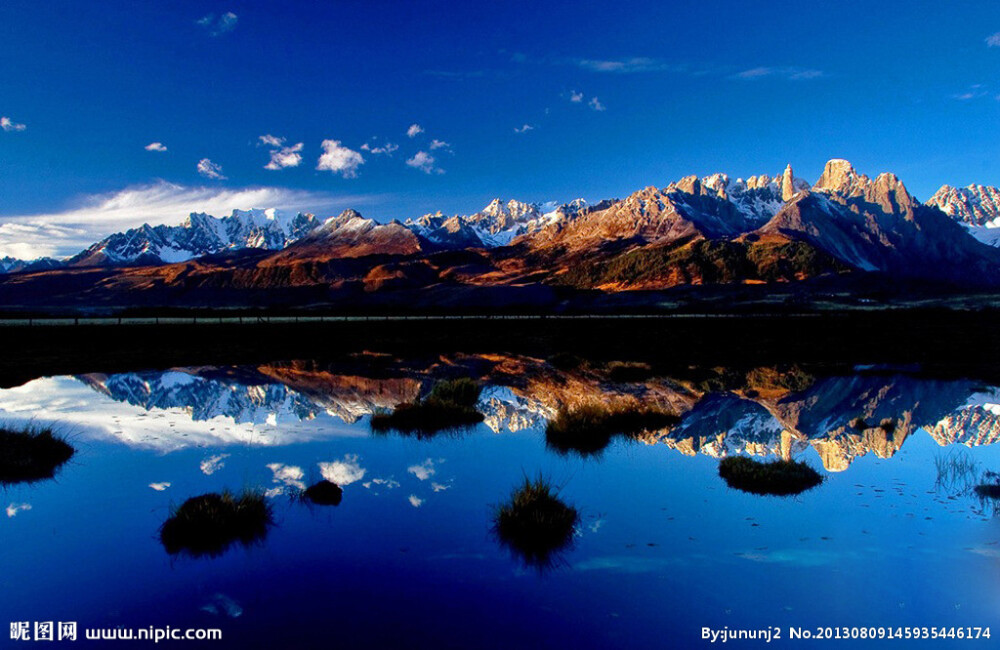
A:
{"x": 744, "y": 88}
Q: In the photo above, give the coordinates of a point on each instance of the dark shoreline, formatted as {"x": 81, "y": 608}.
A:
{"x": 941, "y": 342}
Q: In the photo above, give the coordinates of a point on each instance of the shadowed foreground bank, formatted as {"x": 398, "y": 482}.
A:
{"x": 959, "y": 341}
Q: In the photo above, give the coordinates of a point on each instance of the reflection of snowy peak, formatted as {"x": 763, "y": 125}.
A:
{"x": 506, "y": 411}
{"x": 204, "y": 398}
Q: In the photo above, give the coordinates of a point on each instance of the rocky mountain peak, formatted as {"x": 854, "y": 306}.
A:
{"x": 840, "y": 176}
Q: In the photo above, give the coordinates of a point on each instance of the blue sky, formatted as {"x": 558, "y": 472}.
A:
{"x": 664, "y": 90}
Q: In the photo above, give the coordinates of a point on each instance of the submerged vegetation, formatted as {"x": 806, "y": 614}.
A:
{"x": 776, "y": 477}
{"x": 588, "y": 428}
{"x": 534, "y": 524}
{"x": 31, "y": 454}
{"x": 209, "y": 524}
{"x": 324, "y": 493}
{"x": 449, "y": 405}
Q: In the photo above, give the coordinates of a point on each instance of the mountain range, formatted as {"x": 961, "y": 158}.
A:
{"x": 711, "y": 230}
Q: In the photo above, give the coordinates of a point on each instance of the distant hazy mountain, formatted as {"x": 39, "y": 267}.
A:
{"x": 14, "y": 265}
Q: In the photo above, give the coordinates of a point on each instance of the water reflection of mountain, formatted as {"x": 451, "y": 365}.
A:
{"x": 761, "y": 411}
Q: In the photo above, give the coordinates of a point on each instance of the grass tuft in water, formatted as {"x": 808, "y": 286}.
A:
{"x": 588, "y": 428}
{"x": 450, "y": 405}
{"x": 324, "y": 493}
{"x": 31, "y": 454}
{"x": 209, "y": 524}
{"x": 776, "y": 477}
{"x": 534, "y": 524}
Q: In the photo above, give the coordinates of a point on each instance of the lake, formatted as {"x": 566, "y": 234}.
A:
{"x": 662, "y": 548}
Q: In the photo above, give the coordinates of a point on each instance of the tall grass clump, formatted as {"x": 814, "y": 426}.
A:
{"x": 626, "y": 372}
{"x": 31, "y": 454}
{"x": 207, "y": 525}
{"x": 588, "y": 428}
{"x": 776, "y": 477}
{"x": 534, "y": 524}
{"x": 449, "y": 405}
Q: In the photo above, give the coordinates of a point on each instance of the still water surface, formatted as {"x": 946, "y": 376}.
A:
{"x": 663, "y": 547}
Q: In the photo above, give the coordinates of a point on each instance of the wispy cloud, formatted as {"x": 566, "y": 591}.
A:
{"x": 993, "y": 40}
{"x": 282, "y": 156}
{"x": 523, "y": 129}
{"x": 218, "y": 26}
{"x": 629, "y": 65}
{"x": 209, "y": 169}
{"x": 596, "y": 104}
{"x": 440, "y": 144}
{"x": 15, "y": 508}
{"x": 974, "y": 91}
{"x": 415, "y": 501}
{"x": 91, "y": 218}
{"x": 575, "y": 97}
{"x": 8, "y": 124}
{"x": 155, "y": 146}
{"x": 339, "y": 159}
{"x": 414, "y": 130}
{"x": 788, "y": 73}
{"x": 380, "y": 149}
{"x": 425, "y": 162}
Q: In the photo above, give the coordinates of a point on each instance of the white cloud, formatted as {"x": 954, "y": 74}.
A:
{"x": 209, "y": 169}
{"x": 160, "y": 487}
{"x": 343, "y": 472}
{"x": 439, "y": 144}
{"x": 425, "y": 163}
{"x": 213, "y": 464}
{"x": 596, "y": 104}
{"x": 339, "y": 159}
{"x": 575, "y": 97}
{"x": 225, "y": 23}
{"x": 423, "y": 471}
{"x": 388, "y": 148}
{"x": 155, "y": 146}
{"x": 282, "y": 156}
{"x": 523, "y": 129}
{"x": 8, "y": 124}
{"x": 414, "y": 130}
{"x": 94, "y": 217}
{"x": 993, "y": 40}
{"x": 415, "y": 501}
{"x": 15, "y": 508}
{"x": 440, "y": 487}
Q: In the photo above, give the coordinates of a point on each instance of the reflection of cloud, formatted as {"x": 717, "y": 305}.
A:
{"x": 288, "y": 475}
{"x": 213, "y": 464}
{"x": 221, "y": 603}
{"x": 796, "y": 557}
{"x": 387, "y": 483}
{"x": 627, "y": 564}
{"x": 160, "y": 487}
{"x": 15, "y": 508}
{"x": 169, "y": 425}
{"x": 423, "y": 471}
{"x": 416, "y": 501}
{"x": 343, "y": 472}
